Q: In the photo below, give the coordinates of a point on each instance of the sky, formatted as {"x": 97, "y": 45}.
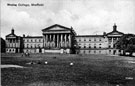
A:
{"x": 87, "y": 17}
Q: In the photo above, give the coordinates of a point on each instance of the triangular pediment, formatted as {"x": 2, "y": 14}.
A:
{"x": 115, "y": 33}
{"x": 56, "y": 27}
{"x": 11, "y": 35}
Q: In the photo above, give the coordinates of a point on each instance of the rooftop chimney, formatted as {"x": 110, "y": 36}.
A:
{"x": 104, "y": 33}
{"x": 23, "y": 35}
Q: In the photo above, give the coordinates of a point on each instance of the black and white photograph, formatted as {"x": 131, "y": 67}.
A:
{"x": 67, "y": 42}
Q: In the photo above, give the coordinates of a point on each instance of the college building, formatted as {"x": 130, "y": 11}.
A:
{"x": 61, "y": 39}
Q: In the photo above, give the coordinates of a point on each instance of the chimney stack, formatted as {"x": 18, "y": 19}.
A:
{"x": 23, "y": 35}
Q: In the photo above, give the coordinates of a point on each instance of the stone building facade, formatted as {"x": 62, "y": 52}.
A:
{"x": 61, "y": 39}
{"x": 92, "y": 44}
{"x": 32, "y": 44}
{"x": 13, "y": 43}
{"x": 99, "y": 44}
{"x": 55, "y": 39}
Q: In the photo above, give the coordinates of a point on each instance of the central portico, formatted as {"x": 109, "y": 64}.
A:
{"x": 58, "y": 39}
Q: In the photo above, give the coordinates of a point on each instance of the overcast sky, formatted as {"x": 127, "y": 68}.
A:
{"x": 85, "y": 16}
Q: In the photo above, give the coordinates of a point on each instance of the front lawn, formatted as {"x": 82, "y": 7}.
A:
{"x": 88, "y": 70}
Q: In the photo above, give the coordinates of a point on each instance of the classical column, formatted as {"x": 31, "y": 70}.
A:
{"x": 112, "y": 42}
{"x": 69, "y": 37}
{"x": 53, "y": 42}
{"x": 50, "y": 40}
{"x": 57, "y": 40}
{"x": 46, "y": 40}
{"x": 61, "y": 40}
{"x": 65, "y": 40}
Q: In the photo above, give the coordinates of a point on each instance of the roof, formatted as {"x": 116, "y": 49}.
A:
{"x": 89, "y": 36}
{"x": 33, "y": 37}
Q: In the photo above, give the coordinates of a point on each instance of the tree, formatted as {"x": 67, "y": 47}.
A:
{"x": 126, "y": 43}
{"x": 131, "y": 46}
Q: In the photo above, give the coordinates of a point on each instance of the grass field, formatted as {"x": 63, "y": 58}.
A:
{"x": 88, "y": 70}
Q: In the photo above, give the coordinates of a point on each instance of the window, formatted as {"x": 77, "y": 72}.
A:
{"x": 84, "y": 39}
{"x": 27, "y": 45}
{"x": 89, "y": 39}
{"x": 31, "y": 40}
{"x": 100, "y": 39}
{"x": 109, "y": 46}
{"x": 35, "y": 45}
{"x": 14, "y": 45}
{"x": 89, "y": 46}
{"x": 114, "y": 38}
{"x": 10, "y": 41}
{"x": 13, "y": 40}
{"x": 39, "y": 40}
{"x": 17, "y": 40}
{"x": 84, "y": 46}
{"x": 94, "y": 39}
{"x": 94, "y": 51}
{"x": 99, "y": 51}
{"x": 109, "y": 51}
{"x": 94, "y": 46}
{"x": 27, "y": 40}
{"x": 99, "y": 45}
{"x": 110, "y": 39}
{"x": 89, "y": 51}
{"x": 35, "y": 40}
{"x": 79, "y": 39}
{"x": 39, "y": 45}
